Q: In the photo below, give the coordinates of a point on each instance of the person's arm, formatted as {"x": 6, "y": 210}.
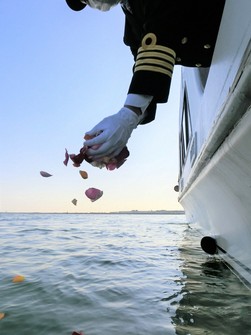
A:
{"x": 149, "y": 85}
{"x": 151, "y": 46}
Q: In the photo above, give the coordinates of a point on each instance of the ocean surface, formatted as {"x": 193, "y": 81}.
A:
{"x": 114, "y": 274}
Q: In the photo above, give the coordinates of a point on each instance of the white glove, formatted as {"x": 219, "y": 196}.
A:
{"x": 112, "y": 134}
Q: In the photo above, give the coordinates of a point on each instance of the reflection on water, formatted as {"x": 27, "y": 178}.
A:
{"x": 114, "y": 274}
{"x": 214, "y": 301}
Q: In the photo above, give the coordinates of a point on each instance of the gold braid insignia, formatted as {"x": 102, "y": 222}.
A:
{"x": 154, "y": 57}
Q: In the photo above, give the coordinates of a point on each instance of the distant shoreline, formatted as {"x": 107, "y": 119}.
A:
{"x": 160, "y": 212}
{"x": 176, "y": 212}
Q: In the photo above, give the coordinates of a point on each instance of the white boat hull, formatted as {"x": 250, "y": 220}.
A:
{"x": 215, "y": 176}
{"x": 220, "y": 198}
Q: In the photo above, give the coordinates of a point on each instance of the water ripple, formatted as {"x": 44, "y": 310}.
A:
{"x": 114, "y": 274}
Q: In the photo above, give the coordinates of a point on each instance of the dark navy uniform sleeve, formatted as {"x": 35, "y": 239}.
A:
{"x": 162, "y": 33}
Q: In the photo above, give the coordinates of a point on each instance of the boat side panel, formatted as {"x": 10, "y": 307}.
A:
{"x": 220, "y": 198}
{"x": 209, "y": 106}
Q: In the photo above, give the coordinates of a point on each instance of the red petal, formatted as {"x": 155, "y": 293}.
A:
{"x": 78, "y": 159}
{"x": 66, "y": 158}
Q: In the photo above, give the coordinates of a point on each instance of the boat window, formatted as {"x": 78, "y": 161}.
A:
{"x": 185, "y": 130}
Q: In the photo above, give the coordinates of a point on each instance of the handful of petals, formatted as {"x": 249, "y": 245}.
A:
{"x": 108, "y": 162}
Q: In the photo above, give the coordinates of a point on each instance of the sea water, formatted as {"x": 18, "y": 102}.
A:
{"x": 110, "y": 274}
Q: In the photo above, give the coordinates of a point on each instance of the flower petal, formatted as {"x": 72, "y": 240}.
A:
{"x": 66, "y": 158}
{"x": 78, "y": 159}
{"x": 83, "y": 174}
{"x": 45, "y": 174}
{"x": 18, "y": 279}
{"x": 93, "y": 193}
{"x": 74, "y": 201}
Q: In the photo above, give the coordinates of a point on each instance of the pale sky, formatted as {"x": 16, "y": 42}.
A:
{"x": 61, "y": 73}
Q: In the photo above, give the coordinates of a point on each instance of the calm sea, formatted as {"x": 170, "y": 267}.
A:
{"x": 114, "y": 275}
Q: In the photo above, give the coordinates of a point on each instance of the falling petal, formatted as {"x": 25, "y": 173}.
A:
{"x": 74, "y": 201}
{"x": 18, "y": 279}
{"x": 45, "y": 174}
{"x": 66, "y": 158}
{"x": 2, "y": 315}
{"x": 93, "y": 194}
{"x": 83, "y": 174}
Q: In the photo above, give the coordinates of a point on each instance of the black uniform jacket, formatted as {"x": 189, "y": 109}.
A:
{"x": 162, "y": 33}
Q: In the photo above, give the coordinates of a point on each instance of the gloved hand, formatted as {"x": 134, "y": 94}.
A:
{"x": 111, "y": 134}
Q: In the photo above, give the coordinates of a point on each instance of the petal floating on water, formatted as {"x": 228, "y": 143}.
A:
{"x": 66, "y": 158}
{"x": 77, "y": 333}
{"x": 45, "y": 174}
{"x": 2, "y": 315}
{"x": 18, "y": 279}
{"x": 74, "y": 201}
{"x": 83, "y": 174}
{"x": 93, "y": 194}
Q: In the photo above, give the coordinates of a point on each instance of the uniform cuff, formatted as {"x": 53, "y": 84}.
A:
{"x": 138, "y": 100}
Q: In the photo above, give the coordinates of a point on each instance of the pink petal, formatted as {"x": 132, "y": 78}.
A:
{"x": 45, "y": 174}
{"x": 93, "y": 194}
{"x": 66, "y": 158}
{"x": 111, "y": 166}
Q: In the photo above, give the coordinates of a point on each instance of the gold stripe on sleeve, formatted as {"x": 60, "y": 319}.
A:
{"x": 154, "y": 69}
{"x": 153, "y": 57}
